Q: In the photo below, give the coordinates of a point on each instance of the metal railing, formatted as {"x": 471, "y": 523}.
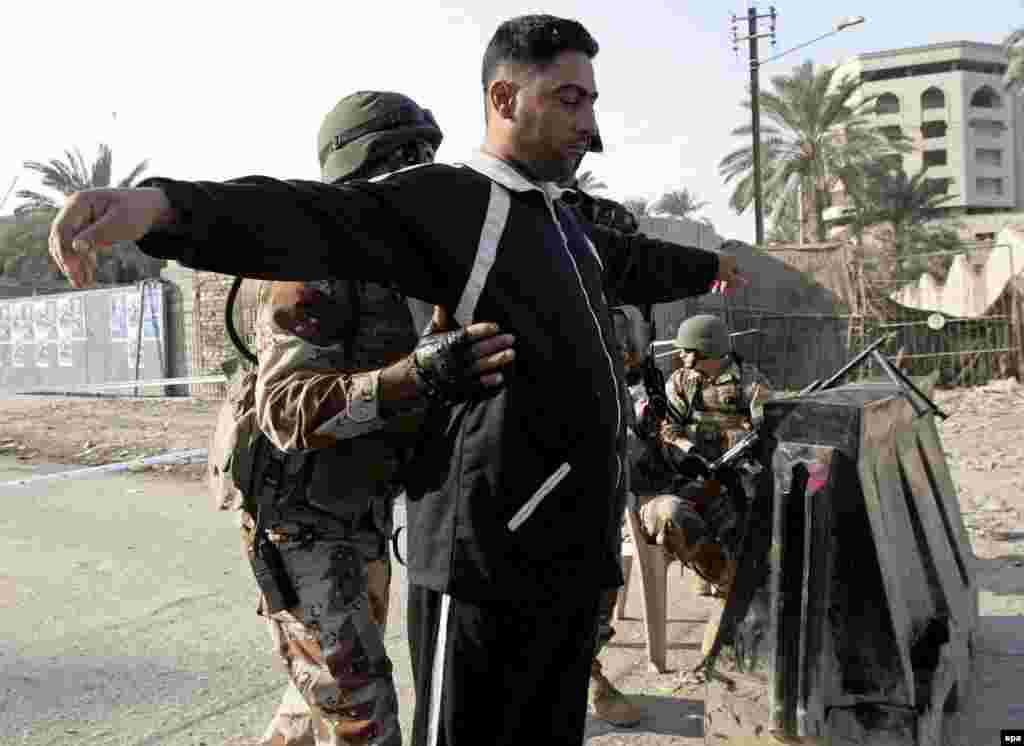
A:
{"x": 790, "y": 349}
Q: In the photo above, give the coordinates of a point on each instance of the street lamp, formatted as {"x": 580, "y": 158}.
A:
{"x": 752, "y": 38}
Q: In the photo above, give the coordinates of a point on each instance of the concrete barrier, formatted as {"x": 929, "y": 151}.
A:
{"x": 863, "y": 630}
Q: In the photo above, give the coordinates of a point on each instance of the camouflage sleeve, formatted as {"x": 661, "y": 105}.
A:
{"x": 304, "y": 400}
{"x": 671, "y": 431}
{"x": 757, "y": 389}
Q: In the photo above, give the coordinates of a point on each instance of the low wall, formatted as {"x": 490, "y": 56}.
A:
{"x": 105, "y": 335}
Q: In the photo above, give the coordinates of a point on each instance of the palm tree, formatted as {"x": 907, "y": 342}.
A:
{"x": 785, "y": 218}
{"x": 638, "y": 206}
{"x": 883, "y": 194}
{"x": 587, "y": 182}
{"x": 679, "y": 202}
{"x": 813, "y": 128}
{"x": 1014, "y": 76}
{"x": 68, "y": 177}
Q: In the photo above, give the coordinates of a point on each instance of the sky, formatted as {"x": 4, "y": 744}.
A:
{"x": 219, "y": 89}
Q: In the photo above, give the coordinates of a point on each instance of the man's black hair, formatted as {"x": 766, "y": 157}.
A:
{"x": 535, "y": 40}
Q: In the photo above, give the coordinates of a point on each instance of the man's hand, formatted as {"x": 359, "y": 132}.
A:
{"x": 729, "y": 277}
{"x": 489, "y": 353}
{"x": 454, "y": 365}
{"x": 93, "y": 220}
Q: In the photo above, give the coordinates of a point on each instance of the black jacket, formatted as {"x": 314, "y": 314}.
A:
{"x": 487, "y": 244}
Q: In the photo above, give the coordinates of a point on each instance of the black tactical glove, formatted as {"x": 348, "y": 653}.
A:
{"x": 442, "y": 364}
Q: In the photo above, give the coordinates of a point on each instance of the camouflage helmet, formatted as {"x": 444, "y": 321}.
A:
{"x": 705, "y": 333}
{"x": 365, "y": 126}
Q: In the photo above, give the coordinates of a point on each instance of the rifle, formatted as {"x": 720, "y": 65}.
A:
{"x": 654, "y": 380}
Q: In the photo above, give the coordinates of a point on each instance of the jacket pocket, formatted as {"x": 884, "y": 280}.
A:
{"x": 535, "y": 500}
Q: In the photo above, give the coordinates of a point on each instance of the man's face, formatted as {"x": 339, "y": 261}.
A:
{"x": 695, "y": 360}
{"x": 554, "y": 117}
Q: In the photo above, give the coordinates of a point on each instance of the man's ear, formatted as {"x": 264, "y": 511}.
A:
{"x": 502, "y": 95}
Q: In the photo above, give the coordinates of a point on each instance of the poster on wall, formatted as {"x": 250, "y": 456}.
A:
{"x": 154, "y": 311}
{"x": 70, "y": 318}
{"x": 118, "y": 317}
{"x": 131, "y": 303}
{"x": 132, "y": 347}
{"x": 5, "y": 322}
{"x": 65, "y": 359}
{"x": 23, "y": 328}
{"x": 44, "y": 314}
{"x": 44, "y": 351}
{"x": 19, "y": 351}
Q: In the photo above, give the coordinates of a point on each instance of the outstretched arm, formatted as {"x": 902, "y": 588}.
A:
{"x": 389, "y": 231}
{"x": 643, "y": 270}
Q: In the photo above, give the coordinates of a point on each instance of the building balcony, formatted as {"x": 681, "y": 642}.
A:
{"x": 836, "y": 213}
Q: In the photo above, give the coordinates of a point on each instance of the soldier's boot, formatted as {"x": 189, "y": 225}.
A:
{"x": 721, "y": 569}
{"x": 610, "y": 704}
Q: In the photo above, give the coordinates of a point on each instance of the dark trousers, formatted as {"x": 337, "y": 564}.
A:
{"x": 496, "y": 673}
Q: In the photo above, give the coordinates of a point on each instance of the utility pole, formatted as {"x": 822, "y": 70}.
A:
{"x": 3, "y": 201}
{"x": 753, "y": 19}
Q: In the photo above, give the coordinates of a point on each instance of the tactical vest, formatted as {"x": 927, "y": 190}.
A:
{"x": 716, "y": 412}
{"x": 379, "y": 326}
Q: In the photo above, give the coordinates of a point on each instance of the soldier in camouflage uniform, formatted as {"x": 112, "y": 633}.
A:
{"x": 336, "y": 395}
{"x": 720, "y": 401}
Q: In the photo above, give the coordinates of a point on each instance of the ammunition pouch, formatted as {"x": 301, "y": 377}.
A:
{"x": 268, "y": 568}
{"x": 271, "y": 487}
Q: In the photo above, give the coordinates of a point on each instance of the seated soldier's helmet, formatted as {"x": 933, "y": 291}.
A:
{"x": 365, "y": 127}
{"x": 705, "y": 333}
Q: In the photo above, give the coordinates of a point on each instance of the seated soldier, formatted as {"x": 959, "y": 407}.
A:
{"x": 668, "y": 503}
{"x": 718, "y": 401}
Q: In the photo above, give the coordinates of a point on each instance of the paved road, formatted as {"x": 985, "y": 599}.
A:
{"x": 128, "y": 618}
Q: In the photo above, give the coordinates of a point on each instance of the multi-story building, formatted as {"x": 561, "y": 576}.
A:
{"x": 949, "y": 100}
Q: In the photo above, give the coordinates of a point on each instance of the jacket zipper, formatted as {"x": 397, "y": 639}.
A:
{"x": 600, "y": 336}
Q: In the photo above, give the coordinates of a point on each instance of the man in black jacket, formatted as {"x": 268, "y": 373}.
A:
{"x": 513, "y": 510}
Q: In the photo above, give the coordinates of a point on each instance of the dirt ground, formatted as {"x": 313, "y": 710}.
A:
{"x": 983, "y": 437}
{"x": 92, "y": 431}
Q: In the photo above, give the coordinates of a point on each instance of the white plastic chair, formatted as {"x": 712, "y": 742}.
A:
{"x": 654, "y": 562}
